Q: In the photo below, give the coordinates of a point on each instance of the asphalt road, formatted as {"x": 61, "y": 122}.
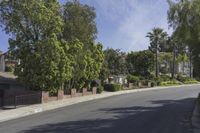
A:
{"x": 160, "y": 111}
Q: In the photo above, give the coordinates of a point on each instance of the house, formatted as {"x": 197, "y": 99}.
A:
{"x": 6, "y": 60}
{"x": 118, "y": 79}
{"x": 184, "y": 68}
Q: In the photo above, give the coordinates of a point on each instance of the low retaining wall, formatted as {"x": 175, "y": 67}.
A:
{"x": 140, "y": 84}
{"x": 60, "y": 95}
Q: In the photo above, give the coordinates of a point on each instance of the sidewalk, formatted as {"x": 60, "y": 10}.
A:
{"x": 6, "y": 115}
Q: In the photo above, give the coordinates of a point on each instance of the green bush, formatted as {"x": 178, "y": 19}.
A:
{"x": 133, "y": 79}
{"x": 93, "y": 84}
{"x": 165, "y": 77}
{"x": 182, "y": 78}
{"x": 161, "y": 78}
{"x": 151, "y": 77}
{"x": 158, "y": 80}
{"x": 192, "y": 81}
{"x": 186, "y": 80}
{"x": 53, "y": 92}
{"x": 9, "y": 69}
{"x": 112, "y": 87}
{"x": 169, "y": 83}
{"x": 100, "y": 89}
{"x": 153, "y": 83}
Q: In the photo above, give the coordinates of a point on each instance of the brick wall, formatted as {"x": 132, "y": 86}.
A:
{"x": 84, "y": 91}
{"x": 73, "y": 92}
{"x": 60, "y": 94}
{"x": 94, "y": 90}
{"x": 45, "y": 97}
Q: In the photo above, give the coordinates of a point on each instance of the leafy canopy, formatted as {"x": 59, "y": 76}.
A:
{"x": 35, "y": 26}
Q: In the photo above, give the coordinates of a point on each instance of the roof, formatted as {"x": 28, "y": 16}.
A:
{"x": 3, "y": 53}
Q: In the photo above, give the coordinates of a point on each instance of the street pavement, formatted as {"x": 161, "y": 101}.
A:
{"x": 155, "y": 111}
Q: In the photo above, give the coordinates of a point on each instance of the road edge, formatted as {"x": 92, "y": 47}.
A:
{"x": 38, "y": 108}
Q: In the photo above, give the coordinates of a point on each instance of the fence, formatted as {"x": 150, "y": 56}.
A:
{"x": 12, "y": 101}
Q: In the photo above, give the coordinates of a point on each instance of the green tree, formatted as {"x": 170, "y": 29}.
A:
{"x": 79, "y": 22}
{"x": 166, "y": 59}
{"x": 115, "y": 61}
{"x": 80, "y": 33}
{"x": 35, "y": 26}
{"x": 140, "y": 63}
{"x": 157, "y": 39}
{"x": 183, "y": 16}
{"x": 178, "y": 50}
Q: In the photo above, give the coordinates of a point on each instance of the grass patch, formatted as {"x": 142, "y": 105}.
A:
{"x": 170, "y": 83}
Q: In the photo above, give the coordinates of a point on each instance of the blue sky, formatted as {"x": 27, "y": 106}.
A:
{"x": 122, "y": 24}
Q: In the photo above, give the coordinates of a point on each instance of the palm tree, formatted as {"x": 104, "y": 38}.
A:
{"x": 157, "y": 39}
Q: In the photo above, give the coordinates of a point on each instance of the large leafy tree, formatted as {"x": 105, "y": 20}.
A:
{"x": 79, "y": 22}
{"x": 183, "y": 16}
{"x": 158, "y": 40}
{"x": 80, "y": 31}
{"x": 35, "y": 26}
{"x": 86, "y": 64}
{"x": 140, "y": 63}
{"x": 178, "y": 50}
{"x": 166, "y": 61}
{"x": 115, "y": 60}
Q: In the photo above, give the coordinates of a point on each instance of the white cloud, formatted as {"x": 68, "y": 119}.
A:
{"x": 134, "y": 19}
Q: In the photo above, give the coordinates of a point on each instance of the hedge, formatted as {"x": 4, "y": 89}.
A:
{"x": 100, "y": 89}
{"x": 112, "y": 87}
{"x": 169, "y": 83}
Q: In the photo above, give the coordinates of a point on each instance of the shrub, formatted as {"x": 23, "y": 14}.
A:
{"x": 133, "y": 79}
{"x": 9, "y": 69}
{"x": 100, "y": 89}
{"x": 182, "y": 78}
{"x": 151, "y": 77}
{"x": 161, "y": 78}
{"x": 153, "y": 83}
{"x": 192, "y": 81}
{"x": 165, "y": 77}
{"x": 186, "y": 80}
{"x": 112, "y": 87}
{"x": 93, "y": 84}
{"x": 53, "y": 92}
{"x": 169, "y": 83}
{"x": 158, "y": 80}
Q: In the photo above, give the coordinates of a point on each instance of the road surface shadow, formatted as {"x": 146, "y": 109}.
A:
{"x": 166, "y": 116}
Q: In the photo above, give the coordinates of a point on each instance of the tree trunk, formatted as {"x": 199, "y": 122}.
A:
{"x": 157, "y": 62}
{"x": 191, "y": 65}
{"x": 174, "y": 58}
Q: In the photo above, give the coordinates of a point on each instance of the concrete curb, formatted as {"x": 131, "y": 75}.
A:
{"x": 196, "y": 118}
{"x": 33, "y": 109}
